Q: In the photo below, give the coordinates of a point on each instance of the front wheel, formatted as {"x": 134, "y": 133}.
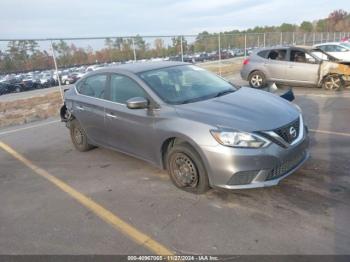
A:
{"x": 79, "y": 137}
{"x": 257, "y": 79}
{"x": 186, "y": 169}
{"x": 333, "y": 82}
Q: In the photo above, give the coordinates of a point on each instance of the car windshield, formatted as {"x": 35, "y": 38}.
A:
{"x": 185, "y": 84}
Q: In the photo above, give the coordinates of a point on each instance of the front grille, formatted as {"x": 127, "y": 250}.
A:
{"x": 285, "y": 166}
{"x": 286, "y": 132}
{"x": 272, "y": 139}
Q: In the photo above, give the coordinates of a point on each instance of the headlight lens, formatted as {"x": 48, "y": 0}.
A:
{"x": 239, "y": 139}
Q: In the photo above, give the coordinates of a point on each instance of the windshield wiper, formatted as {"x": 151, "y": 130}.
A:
{"x": 196, "y": 99}
{"x": 224, "y": 92}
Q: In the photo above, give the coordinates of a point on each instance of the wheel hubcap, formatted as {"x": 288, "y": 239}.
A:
{"x": 184, "y": 171}
{"x": 332, "y": 83}
{"x": 78, "y": 136}
{"x": 256, "y": 80}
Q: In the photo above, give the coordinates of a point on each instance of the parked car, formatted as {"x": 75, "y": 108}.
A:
{"x": 204, "y": 131}
{"x": 30, "y": 82}
{"x": 295, "y": 66}
{"x": 338, "y": 50}
{"x": 72, "y": 78}
{"x": 6, "y": 88}
{"x": 201, "y": 57}
{"x": 47, "y": 80}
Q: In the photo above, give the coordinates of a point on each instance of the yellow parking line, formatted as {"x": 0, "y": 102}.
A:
{"x": 329, "y": 132}
{"x": 99, "y": 210}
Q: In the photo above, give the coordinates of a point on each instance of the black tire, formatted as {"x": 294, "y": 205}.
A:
{"x": 333, "y": 82}
{"x": 186, "y": 169}
{"x": 18, "y": 89}
{"x": 257, "y": 80}
{"x": 78, "y": 136}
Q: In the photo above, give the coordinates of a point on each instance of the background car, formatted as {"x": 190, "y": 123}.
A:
{"x": 6, "y": 88}
{"x": 294, "y": 66}
{"x": 30, "y": 82}
{"x": 338, "y": 50}
{"x": 47, "y": 80}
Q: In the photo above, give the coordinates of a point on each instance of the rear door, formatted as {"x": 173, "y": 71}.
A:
{"x": 129, "y": 130}
{"x": 89, "y": 107}
{"x": 302, "y": 68}
{"x": 275, "y": 64}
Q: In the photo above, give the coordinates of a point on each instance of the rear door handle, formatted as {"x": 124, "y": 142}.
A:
{"x": 111, "y": 116}
{"x": 80, "y": 108}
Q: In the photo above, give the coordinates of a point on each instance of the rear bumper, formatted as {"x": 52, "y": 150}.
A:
{"x": 244, "y": 74}
{"x": 233, "y": 168}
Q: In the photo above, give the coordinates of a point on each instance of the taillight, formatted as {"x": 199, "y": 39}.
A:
{"x": 246, "y": 61}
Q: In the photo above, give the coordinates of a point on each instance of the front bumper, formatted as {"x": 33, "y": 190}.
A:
{"x": 234, "y": 168}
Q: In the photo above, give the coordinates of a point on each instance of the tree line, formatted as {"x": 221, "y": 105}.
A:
{"x": 26, "y": 55}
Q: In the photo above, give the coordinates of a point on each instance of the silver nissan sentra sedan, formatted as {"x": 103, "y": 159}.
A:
{"x": 202, "y": 129}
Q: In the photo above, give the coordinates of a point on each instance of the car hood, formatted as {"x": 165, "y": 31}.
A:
{"x": 246, "y": 109}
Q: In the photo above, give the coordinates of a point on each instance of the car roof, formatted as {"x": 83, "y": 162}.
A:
{"x": 302, "y": 47}
{"x": 141, "y": 66}
{"x": 329, "y": 43}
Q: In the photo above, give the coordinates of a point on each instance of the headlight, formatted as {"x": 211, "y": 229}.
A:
{"x": 239, "y": 139}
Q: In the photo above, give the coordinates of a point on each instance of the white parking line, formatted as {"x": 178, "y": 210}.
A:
{"x": 28, "y": 127}
{"x": 329, "y": 132}
{"x": 322, "y": 95}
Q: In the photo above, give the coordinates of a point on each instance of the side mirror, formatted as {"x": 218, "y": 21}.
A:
{"x": 137, "y": 103}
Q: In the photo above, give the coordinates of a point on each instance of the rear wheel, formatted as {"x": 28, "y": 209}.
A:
{"x": 257, "y": 79}
{"x": 333, "y": 82}
{"x": 186, "y": 169}
{"x": 79, "y": 137}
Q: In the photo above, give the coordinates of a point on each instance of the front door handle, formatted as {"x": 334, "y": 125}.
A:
{"x": 111, "y": 116}
{"x": 80, "y": 108}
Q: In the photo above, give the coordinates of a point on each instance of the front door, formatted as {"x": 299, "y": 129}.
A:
{"x": 302, "y": 68}
{"x": 129, "y": 130}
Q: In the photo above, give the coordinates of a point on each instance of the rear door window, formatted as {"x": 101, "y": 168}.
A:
{"x": 93, "y": 86}
{"x": 277, "y": 54}
{"x": 323, "y": 47}
{"x": 263, "y": 53}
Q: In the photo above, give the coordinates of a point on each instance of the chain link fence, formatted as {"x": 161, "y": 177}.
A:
{"x": 39, "y": 63}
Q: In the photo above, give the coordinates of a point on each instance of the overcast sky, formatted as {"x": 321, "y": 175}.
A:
{"x": 73, "y": 18}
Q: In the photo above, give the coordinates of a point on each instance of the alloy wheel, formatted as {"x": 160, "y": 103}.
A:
{"x": 256, "y": 80}
{"x": 332, "y": 83}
